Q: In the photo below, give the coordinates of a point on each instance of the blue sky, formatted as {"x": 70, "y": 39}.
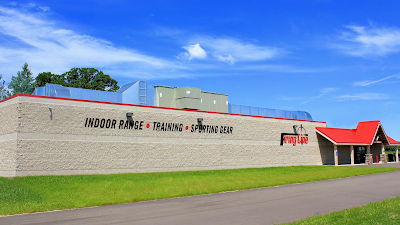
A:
{"x": 337, "y": 60}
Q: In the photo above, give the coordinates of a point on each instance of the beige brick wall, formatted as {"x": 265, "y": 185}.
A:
{"x": 61, "y": 144}
{"x": 8, "y": 145}
{"x": 8, "y": 155}
{"x": 69, "y": 119}
{"x": 8, "y": 116}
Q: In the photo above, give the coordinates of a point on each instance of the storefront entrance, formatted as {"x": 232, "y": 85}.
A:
{"x": 359, "y": 154}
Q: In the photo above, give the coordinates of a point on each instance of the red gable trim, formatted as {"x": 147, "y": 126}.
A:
{"x": 146, "y": 106}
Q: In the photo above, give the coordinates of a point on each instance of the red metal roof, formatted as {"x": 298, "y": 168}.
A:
{"x": 365, "y": 133}
{"x": 392, "y": 141}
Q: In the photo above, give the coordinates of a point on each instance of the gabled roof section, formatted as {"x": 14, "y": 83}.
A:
{"x": 366, "y": 133}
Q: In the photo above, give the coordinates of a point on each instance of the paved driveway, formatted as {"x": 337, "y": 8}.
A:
{"x": 258, "y": 206}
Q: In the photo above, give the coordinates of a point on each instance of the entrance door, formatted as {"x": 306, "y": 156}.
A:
{"x": 359, "y": 154}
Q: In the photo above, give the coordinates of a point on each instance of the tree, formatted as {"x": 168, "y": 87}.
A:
{"x": 23, "y": 82}
{"x": 47, "y": 77}
{"x": 88, "y": 78}
{"x": 4, "y": 93}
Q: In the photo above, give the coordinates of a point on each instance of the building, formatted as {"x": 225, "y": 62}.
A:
{"x": 190, "y": 98}
{"x": 361, "y": 145}
{"x": 55, "y": 135}
{"x": 142, "y": 93}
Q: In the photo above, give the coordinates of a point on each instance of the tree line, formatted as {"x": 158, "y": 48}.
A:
{"x": 88, "y": 78}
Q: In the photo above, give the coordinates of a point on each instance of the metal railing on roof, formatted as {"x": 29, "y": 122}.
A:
{"x": 259, "y": 111}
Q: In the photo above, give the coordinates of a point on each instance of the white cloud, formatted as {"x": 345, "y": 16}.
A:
{"x": 367, "y": 82}
{"x": 27, "y": 5}
{"x": 285, "y": 68}
{"x": 12, "y": 3}
{"x": 44, "y": 8}
{"x": 328, "y": 90}
{"x": 363, "y": 96}
{"x": 48, "y": 47}
{"x": 225, "y": 49}
{"x": 323, "y": 92}
{"x": 287, "y": 98}
{"x": 389, "y": 103}
{"x": 233, "y": 50}
{"x": 369, "y": 41}
{"x": 194, "y": 52}
{"x": 228, "y": 59}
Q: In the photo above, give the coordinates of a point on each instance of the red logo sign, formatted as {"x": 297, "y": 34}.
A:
{"x": 299, "y": 136}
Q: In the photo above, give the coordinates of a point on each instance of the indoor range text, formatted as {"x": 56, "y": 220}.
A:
{"x": 113, "y": 124}
{"x": 156, "y": 126}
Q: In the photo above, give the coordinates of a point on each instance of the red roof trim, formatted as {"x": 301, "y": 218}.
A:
{"x": 319, "y": 132}
{"x": 332, "y": 128}
{"x": 376, "y": 131}
{"x": 146, "y": 106}
{"x": 9, "y": 98}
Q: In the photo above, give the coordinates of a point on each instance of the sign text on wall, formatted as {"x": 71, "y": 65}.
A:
{"x": 131, "y": 124}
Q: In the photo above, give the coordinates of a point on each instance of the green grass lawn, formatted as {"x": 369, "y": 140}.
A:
{"x": 385, "y": 212}
{"x": 44, "y": 193}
